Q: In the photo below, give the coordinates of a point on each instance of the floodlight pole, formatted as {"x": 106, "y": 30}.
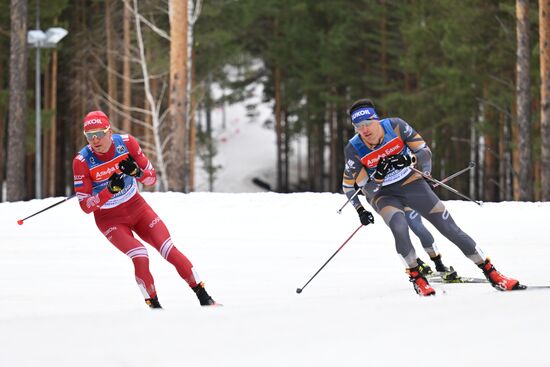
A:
{"x": 37, "y": 38}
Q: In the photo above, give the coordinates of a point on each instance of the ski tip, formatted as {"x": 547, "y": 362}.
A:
{"x": 298, "y": 290}
{"x": 20, "y": 222}
{"x": 530, "y": 287}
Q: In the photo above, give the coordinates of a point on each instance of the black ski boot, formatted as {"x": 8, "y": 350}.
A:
{"x": 423, "y": 268}
{"x": 439, "y": 266}
{"x": 203, "y": 296}
{"x": 153, "y": 302}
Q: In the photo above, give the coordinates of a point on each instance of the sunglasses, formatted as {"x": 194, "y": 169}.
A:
{"x": 90, "y": 135}
{"x": 363, "y": 123}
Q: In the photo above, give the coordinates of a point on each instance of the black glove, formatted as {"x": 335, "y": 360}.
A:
{"x": 130, "y": 167}
{"x": 382, "y": 169}
{"x": 365, "y": 216}
{"x": 399, "y": 161}
{"x": 116, "y": 183}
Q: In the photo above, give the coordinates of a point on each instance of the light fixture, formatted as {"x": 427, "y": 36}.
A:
{"x": 38, "y": 39}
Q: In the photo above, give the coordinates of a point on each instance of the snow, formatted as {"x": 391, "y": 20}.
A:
{"x": 245, "y": 146}
{"x": 69, "y": 297}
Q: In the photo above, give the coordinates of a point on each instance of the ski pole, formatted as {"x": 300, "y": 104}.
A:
{"x": 20, "y": 221}
{"x": 448, "y": 178}
{"x": 444, "y": 185}
{"x": 339, "y": 211}
{"x": 299, "y": 290}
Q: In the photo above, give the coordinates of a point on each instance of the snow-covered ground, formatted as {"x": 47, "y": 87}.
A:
{"x": 245, "y": 147}
{"x": 69, "y": 297}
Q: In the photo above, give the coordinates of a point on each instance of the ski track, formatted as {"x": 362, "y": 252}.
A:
{"x": 69, "y": 297}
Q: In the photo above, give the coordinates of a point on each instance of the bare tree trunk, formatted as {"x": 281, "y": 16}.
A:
{"x": 544, "y": 35}
{"x": 148, "y": 128}
{"x": 489, "y": 160}
{"x": 515, "y": 165}
{"x": 208, "y": 130}
{"x": 310, "y": 180}
{"x": 159, "y": 148}
{"x": 331, "y": 120}
{"x": 523, "y": 86}
{"x": 178, "y": 93}
{"x": 340, "y": 143}
{"x": 126, "y": 68}
{"x": 321, "y": 152}
{"x": 50, "y": 146}
{"x": 286, "y": 149}
{"x": 473, "y": 155}
{"x": 111, "y": 61}
{"x": 192, "y": 126}
{"x": 491, "y": 185}
{"x": 18, "y": 101}
{"x": 2, "y": 134}
{"x": 194, "y": 10}
{"x": 504, "y": 161}
{"x": 278, "y": 128}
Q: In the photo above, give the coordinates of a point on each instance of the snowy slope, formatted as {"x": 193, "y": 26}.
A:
{"x": 245, "y": 147}
{"x": 69, "y": 297}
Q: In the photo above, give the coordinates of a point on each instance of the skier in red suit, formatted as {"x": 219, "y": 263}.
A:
{"x": 106, "y": 172}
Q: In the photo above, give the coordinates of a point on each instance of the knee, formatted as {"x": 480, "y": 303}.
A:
{"x": 398, "y": 222}
{"x": 138, "y": 255}
{"x": 398, "y": 225}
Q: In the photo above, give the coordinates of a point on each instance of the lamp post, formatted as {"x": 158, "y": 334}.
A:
{"x": 38, "y": 39}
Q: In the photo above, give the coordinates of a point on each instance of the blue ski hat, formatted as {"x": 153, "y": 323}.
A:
{"x": 363, "y": 113}
{"x": 362, "y": 110}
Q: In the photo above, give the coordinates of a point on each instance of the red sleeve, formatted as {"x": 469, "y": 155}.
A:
{"x": 149, "y": 175}
{"x": 83, "y": 187}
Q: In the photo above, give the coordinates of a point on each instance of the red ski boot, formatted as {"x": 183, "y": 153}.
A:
{"x": 420, "y": 283}
{"x": 497, "y": 280}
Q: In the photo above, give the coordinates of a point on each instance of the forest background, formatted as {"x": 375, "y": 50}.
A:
{"x": 471, "y": 76}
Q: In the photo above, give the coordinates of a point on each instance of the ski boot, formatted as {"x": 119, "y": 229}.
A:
{"x": 204, "y": 298}
{"x": 423, "y": 268}
{"x": 153, "y": 302}
{"x": 439, "y": 266}
{"x": 420, "y": 283}
{"x": 497, "y": 280}
{"x": 450, "y": 276}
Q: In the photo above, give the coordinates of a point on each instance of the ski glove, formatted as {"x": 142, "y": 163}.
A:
{"x": 130, "y": 167}
{"x": 399, "y": 161}
{"x": 365, "y": 216}
{"x": 116, "y": 183}
{"x": 382, "y": 169}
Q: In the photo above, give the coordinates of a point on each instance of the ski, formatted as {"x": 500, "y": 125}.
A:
{"x": 459, "y": 279}
{"x": 451, "y": 276}
{"x": 533, "y": 287}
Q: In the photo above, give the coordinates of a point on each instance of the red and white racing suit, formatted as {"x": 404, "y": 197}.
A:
{"x": 118, "y": 215}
